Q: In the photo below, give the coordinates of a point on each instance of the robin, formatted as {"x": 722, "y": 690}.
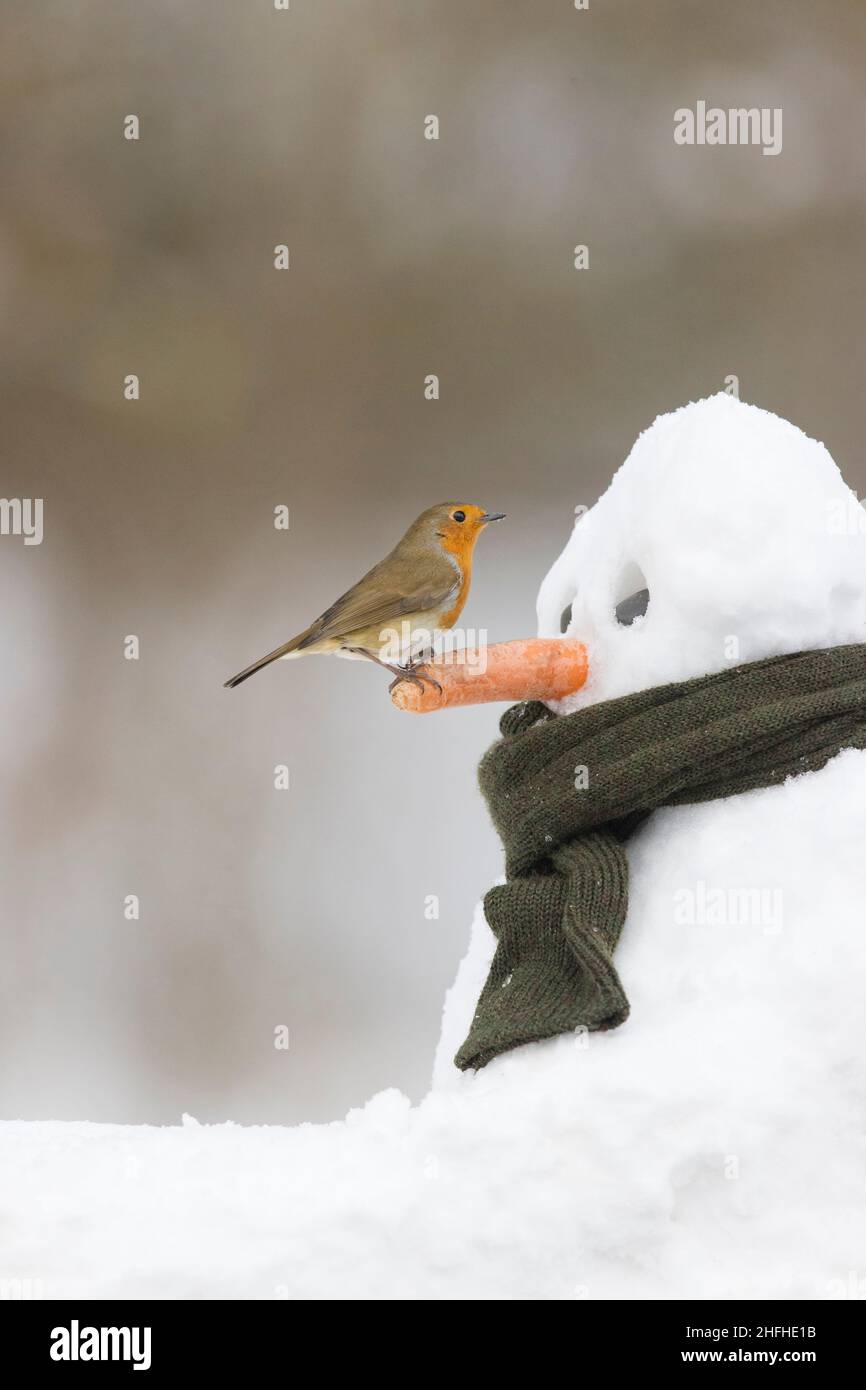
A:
{"x": 421, "y": 586}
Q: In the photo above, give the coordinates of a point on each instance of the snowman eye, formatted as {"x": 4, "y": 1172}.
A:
{"x": 635, "y": 606}
{"x": 565, "y": 619}
{"x": 632, "y": 595}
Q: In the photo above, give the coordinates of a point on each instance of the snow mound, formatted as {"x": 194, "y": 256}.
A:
{"x": 714, "y": 1145}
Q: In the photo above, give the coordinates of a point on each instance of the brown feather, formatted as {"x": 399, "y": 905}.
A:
{"x": 380, "y": 597}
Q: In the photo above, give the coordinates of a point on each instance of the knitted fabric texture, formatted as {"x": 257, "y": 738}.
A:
{"x": 558, "y": 918}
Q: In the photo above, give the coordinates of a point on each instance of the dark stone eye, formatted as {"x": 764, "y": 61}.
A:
{"x": 635, "y": 606}
{"x": 458, "y": 516}
{"x": 565, "y": 619}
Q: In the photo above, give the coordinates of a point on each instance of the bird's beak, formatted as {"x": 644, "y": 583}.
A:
{"x": 492, "y": 516}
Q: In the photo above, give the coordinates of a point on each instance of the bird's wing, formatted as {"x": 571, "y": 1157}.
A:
{"x": 368, "y": 603}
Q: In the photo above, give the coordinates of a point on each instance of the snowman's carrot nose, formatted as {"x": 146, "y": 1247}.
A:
{"x": 537, "y": 668}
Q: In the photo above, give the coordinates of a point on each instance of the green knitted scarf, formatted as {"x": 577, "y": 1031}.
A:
{"x": 565, "y": 792}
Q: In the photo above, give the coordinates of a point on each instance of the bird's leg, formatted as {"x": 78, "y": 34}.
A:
{"x": 423, "y": 654}
{"x": 400, "y": 673}
{"x": 421, "y": 658}
{"x": 409, "y": 673}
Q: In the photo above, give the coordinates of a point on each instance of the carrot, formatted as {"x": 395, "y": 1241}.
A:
{"x": 535, "y": 668}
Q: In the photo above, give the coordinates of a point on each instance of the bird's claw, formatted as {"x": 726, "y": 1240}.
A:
{"x": 415, "y": 677}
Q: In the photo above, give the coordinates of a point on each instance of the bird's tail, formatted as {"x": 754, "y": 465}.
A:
{"x": 285, "y": 650}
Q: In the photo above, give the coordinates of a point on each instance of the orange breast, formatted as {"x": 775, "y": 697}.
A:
{"x": 461, "y": 548}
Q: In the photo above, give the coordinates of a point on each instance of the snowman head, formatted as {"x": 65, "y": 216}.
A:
{"x": 726, "y": 536}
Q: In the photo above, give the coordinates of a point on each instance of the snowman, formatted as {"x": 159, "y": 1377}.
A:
{"x": 711, "y": 1145}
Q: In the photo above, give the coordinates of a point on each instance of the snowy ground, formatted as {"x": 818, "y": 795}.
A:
{"x": 712, "y": 1146}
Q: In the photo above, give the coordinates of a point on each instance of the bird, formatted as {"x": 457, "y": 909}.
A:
{"x": 421, "y": 586}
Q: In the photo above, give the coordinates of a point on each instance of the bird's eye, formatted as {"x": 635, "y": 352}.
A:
{"x": 458, "y": 516}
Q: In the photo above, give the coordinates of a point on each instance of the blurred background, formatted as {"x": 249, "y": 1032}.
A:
{"x": 305, "y": 388}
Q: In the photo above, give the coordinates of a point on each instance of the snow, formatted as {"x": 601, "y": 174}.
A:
{"x": 714, "y": 1145}
{"x": 742, "y": 528}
